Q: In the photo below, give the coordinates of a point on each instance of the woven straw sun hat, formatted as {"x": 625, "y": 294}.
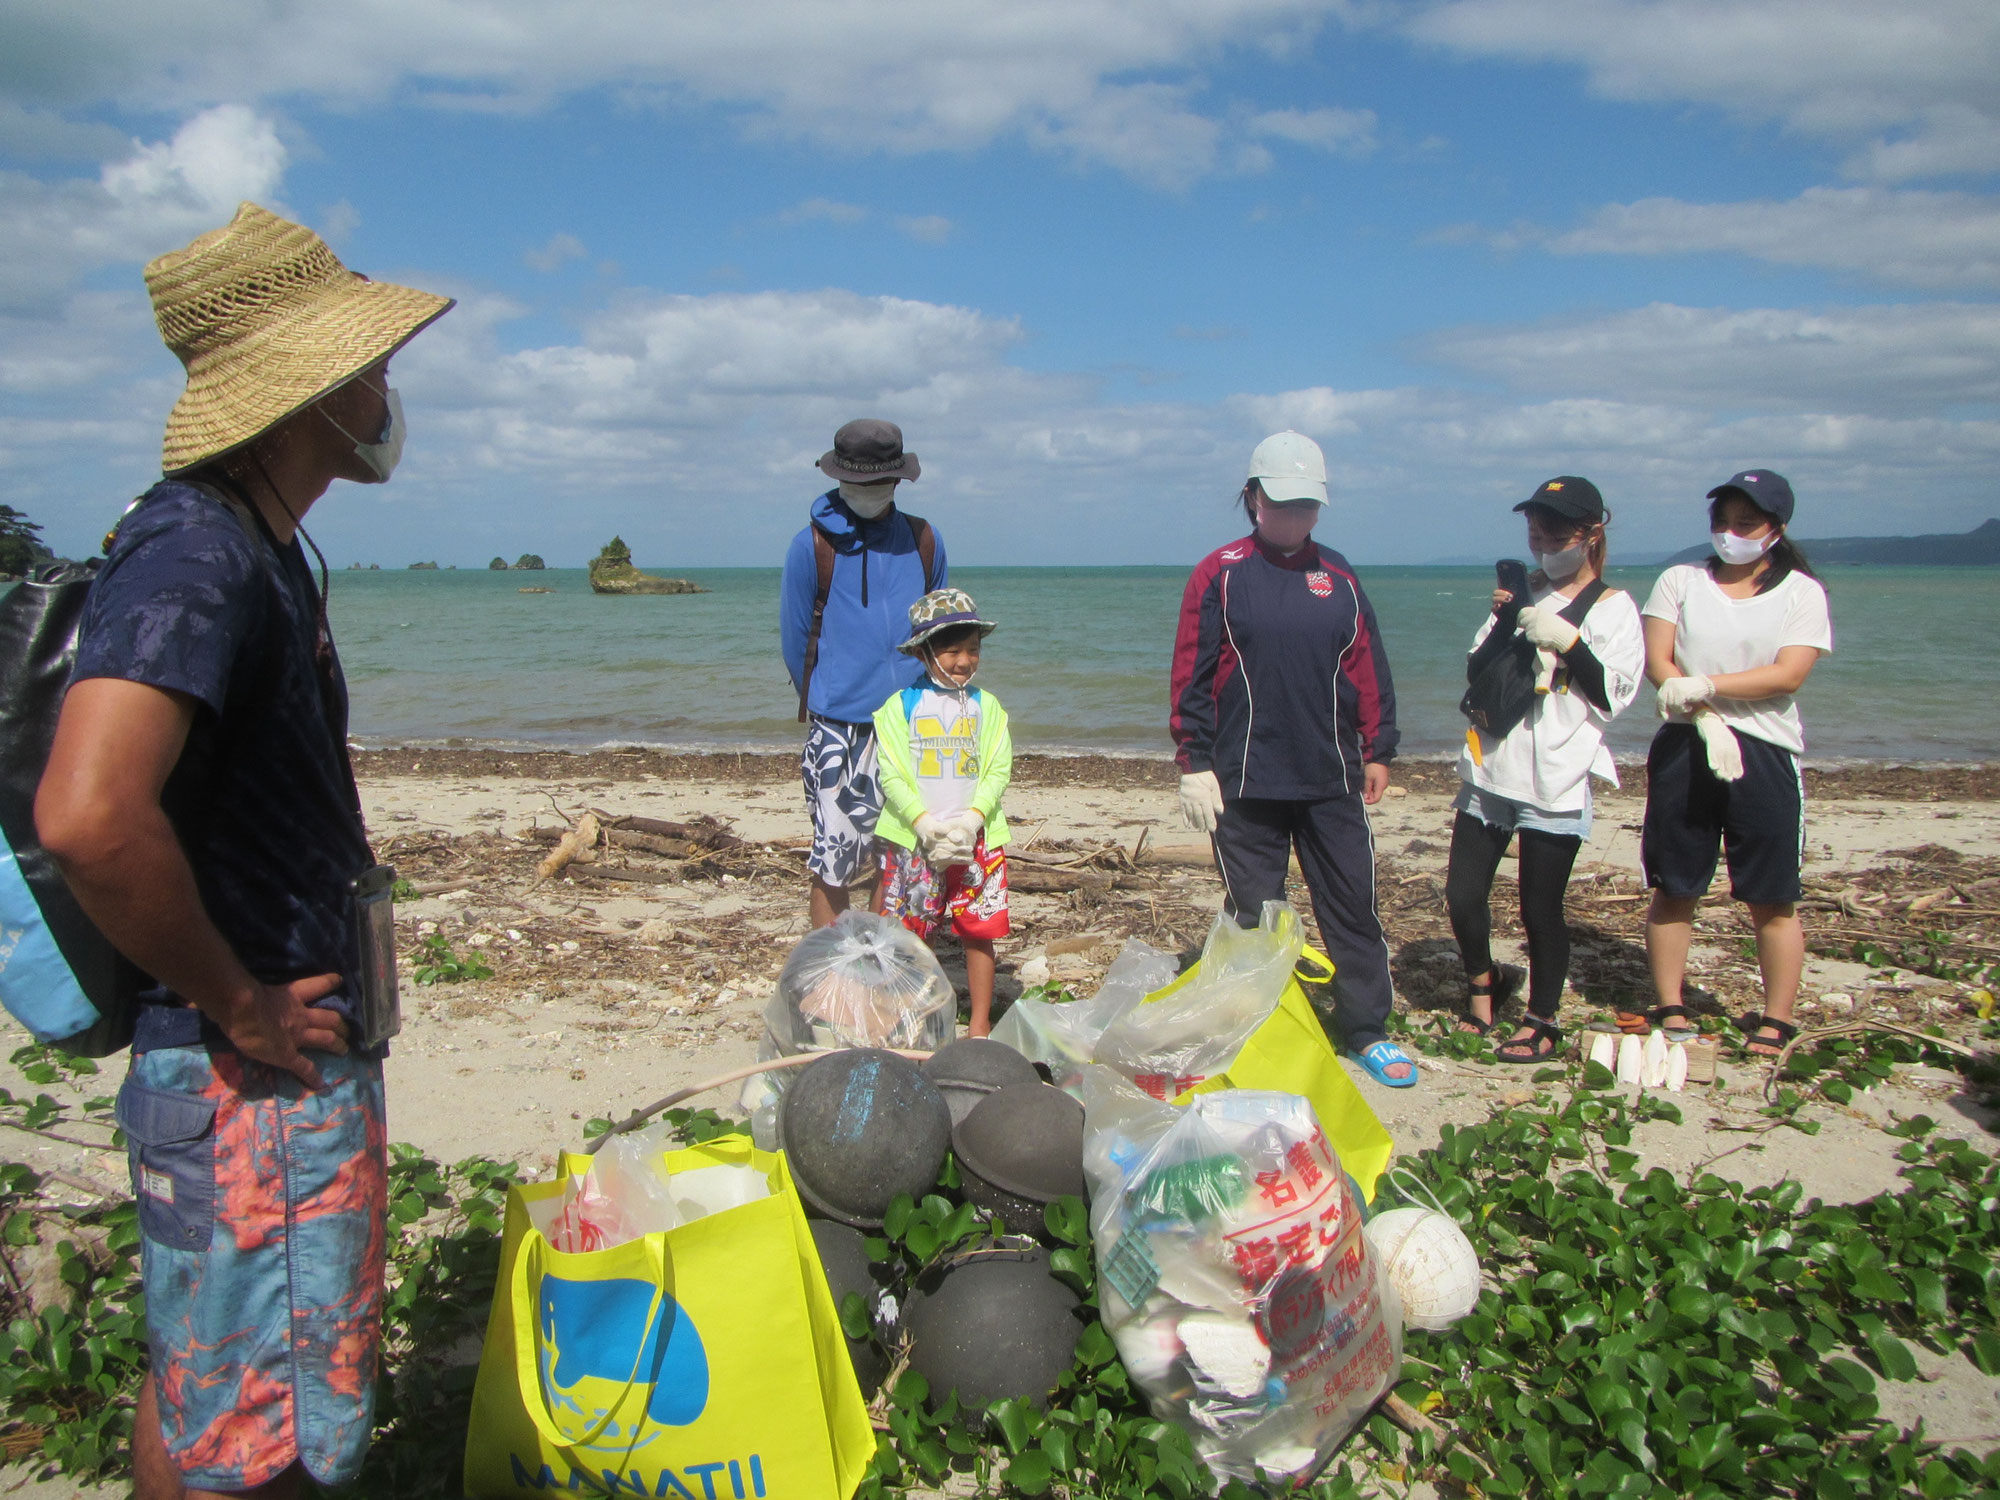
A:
{"x": 267, "y": 320}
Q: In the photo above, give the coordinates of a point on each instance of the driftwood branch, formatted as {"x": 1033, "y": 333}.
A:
{"x": 639, "y": 1117}
{"x": 579, "y": 845}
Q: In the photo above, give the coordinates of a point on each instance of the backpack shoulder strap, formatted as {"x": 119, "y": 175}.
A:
{"x": 926, "y": 540}
{"x": 1584, "y": 602}
{"x": 822, "y": 588}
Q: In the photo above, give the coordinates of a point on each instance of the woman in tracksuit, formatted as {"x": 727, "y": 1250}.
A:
{"x": 1285, "y": 722}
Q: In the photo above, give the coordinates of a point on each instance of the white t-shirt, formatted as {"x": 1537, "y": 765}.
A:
{"x": 944, "y": 748}
{"x": 1714, "y": 633}
{"x": 1548, "y": 758}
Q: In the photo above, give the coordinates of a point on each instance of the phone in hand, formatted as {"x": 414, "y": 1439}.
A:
{"x": 1512, "y": 575}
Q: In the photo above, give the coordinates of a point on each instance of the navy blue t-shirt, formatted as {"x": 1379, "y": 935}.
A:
{"x": 263, "y": 799}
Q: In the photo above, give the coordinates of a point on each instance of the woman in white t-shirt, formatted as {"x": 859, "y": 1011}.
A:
{"x": 1728, "y": 644}
{"x": 1533, "y": 783}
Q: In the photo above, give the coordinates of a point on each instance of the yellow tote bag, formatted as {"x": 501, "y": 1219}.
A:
{"x": 1290, "y": 1054}
{"x": 705, "y": 1363}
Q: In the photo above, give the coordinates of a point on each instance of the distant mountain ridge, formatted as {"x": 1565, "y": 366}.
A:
{"x": 1979, "y": 547}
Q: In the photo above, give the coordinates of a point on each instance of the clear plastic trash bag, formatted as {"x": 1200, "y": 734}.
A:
{"x": 1233, "y": 1274}
{"x": 1063, "y": 1035}
{"x": 864, "y": 981}
{"x": 1174, "y": 1043}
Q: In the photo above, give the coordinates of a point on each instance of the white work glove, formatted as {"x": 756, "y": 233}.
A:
{"x": 1547, "y": 629}
{"x": 964, "y": 828}
{"x": 1677, "y": 695}
{"x": 935, "y": 838}
{"x": 1725, "y": 752}
{"x": 1201, "y": 800}
{"x": 1546, "y": 662}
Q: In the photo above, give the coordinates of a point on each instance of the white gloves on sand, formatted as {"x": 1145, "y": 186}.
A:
{"x": 1725, "y": 752}
{"x": 1677, "y": 695}
{"x": 1547, "y": 629}
{"x": 1201, "y": 800}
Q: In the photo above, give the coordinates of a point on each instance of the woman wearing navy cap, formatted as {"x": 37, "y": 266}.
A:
{"x": 1728, "y": 644}
{"x": 1285, "y": 723}
{"x": 1532, "y": 785}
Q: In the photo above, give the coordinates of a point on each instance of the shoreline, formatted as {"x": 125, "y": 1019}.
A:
{"x": 1905, "y": 782}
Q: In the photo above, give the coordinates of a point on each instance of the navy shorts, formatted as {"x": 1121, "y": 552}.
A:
{"x": 1759, "y": 822}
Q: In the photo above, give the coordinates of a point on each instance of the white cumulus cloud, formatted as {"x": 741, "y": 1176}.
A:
{"x": 157, "y": 197}
{"x": 1907, "y": 89}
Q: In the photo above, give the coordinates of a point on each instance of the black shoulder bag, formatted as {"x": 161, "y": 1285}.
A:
{"x": 1503, "y": 690}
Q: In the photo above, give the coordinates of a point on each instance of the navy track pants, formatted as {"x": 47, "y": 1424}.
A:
{"x": 1254, "y": 840}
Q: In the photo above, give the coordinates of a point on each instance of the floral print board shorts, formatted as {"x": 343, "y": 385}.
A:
{"x": 844, "y": 798}
{"x": 263, "y": 1206}
{"x": 971, "y": 896}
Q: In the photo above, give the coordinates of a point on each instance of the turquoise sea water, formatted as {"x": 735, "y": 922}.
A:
{"x": 1080, "y": 660}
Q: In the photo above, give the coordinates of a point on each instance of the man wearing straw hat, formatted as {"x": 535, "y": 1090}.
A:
{"x": 200, "y": 802}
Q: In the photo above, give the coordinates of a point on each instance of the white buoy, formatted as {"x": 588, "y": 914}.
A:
{"x": 1653, "y": 1063}
{"x": 1604, "y": 1049}
{"x": 1430, "y": 1263}
{"x": 1631, "y": 1059}
{"x": 1677, "y": 1067}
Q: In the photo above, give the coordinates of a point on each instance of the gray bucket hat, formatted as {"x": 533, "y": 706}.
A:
{"x": 866, "y": 451}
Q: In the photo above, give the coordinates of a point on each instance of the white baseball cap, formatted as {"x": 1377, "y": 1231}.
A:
{"x": 1289, "y": 466}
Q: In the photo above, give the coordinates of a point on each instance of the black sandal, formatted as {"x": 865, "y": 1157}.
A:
{"x": 1683, "y": 1033}
{"x": 1509, "y": 978}
{"x": 1540, "y": 1047}
{"x": 1772, "y": 1047}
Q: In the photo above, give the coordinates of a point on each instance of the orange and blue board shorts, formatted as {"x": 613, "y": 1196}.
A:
{"x": 263, "y": 1206}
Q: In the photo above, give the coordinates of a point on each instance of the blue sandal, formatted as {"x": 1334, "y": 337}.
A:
{"x": 1378, "y": 1057}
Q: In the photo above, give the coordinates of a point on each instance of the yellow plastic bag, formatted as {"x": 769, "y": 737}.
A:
{"x": 705, "y": 1363}
{"x": 1290, "y": 1054}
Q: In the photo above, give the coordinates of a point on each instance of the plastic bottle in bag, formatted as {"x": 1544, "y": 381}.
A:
{"x": 1234, "y": 1276}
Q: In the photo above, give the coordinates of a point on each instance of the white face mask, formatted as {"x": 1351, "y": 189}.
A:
{"x": 1561, "y": 566}
{"x": 1286, "y": 527}
{"x": 386, "y": 452}
{"x": 868, "y": 500}
{"x": 1732, "y": 548}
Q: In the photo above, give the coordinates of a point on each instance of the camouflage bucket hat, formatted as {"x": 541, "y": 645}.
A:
{"x": 941, "y": 609}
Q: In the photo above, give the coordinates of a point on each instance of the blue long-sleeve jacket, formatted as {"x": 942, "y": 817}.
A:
{"x": 877, "y": 575}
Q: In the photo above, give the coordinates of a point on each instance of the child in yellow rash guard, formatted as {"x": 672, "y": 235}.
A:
{"x": 945, "y": 760}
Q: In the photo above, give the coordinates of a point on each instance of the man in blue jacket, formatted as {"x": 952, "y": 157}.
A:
{"x": 850, "y": 578}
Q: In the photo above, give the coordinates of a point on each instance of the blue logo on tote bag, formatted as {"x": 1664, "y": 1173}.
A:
{"x": 598, "y": 1337}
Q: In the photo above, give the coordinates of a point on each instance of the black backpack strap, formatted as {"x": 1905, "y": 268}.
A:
{"x": 822, "y": 587}
{"x": 1585, "y": 600}
{"x": 926, "y": 540}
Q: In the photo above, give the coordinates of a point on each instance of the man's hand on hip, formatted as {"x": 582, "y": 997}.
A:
{"x": 278, "y": 1024}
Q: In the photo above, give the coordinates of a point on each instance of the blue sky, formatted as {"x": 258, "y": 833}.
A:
{"x": 1087, "y": 253}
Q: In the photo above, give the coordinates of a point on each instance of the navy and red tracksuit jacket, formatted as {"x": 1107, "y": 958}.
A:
{"x": 1280, "y": 683}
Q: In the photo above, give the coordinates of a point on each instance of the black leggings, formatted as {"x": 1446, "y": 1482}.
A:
{"x": 1546, "y": 860}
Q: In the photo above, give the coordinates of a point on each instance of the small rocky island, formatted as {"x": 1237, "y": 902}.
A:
{"x": 611, "y": 572}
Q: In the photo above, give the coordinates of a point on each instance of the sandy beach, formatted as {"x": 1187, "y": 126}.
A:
{"x": 618, "y": 980}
